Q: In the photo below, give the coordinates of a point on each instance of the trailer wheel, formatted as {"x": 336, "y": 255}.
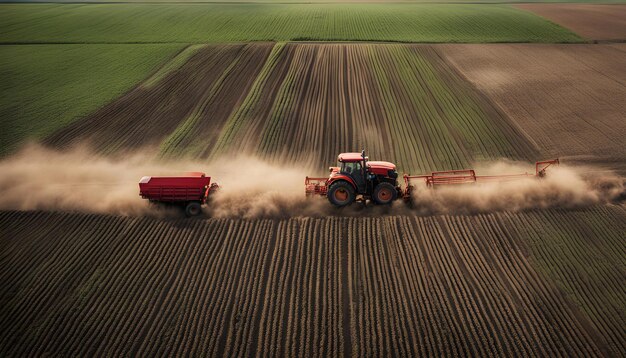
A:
{"x": 340, "y": 193}
{"x": 384, "y": 194}
{"x": 193, "y": 208}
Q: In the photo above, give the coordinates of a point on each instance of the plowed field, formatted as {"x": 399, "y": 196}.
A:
{"x": 592, "y": 21}
{"x": 401, "y": 102}
{"x": 567, "y": 99}
{"x": 543, "y": 283}
{"x": 373, "y": 281}
{"x": 423, "y": 107}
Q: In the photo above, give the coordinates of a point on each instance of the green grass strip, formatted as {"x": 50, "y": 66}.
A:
{"x": 245, "y": 112}
{"x": 172, "y": 65}
{"x": 187, "y": 129}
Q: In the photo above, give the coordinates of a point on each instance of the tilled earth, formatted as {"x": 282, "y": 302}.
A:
{"x": 547, "y": 283}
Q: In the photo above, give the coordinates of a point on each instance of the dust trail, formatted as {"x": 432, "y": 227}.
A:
{"x": 78, "y": 180}
{"x": 38, "y": 178}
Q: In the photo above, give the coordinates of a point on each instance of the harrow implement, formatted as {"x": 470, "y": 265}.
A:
{"x": 468, "y": 176}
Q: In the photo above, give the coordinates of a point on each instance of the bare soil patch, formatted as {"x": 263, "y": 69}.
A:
{"x": 568, "y": 99}
{"x": 595, "y": 22}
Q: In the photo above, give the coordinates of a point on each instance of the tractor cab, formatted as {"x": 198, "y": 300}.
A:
{"x": 352, "y": 165}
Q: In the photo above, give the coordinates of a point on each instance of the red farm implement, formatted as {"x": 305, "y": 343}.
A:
{"x": 190, "y": 191}
{"x": 468, "y": 176}
{"x": 356, "y": 178}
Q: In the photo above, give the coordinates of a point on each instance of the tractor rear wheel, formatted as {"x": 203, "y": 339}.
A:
{"x": 340, "y": 194}
{"x": 384, "y": 193}
{"x": 193, "y": 208}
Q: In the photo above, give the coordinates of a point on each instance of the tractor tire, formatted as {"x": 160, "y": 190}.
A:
{"x": 193, "y": 208}
{"x": 384, "y": 194}
{"x": 341, "y": 194}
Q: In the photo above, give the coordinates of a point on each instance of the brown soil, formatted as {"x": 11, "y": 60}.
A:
{"x": 595, "y": 22}
{"x": 569, "y": 99}
{"x": 77, "y": 284}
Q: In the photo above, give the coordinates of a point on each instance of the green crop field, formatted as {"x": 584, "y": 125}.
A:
{"x": 45, "y": 87}
{"x": 201, "y": 23}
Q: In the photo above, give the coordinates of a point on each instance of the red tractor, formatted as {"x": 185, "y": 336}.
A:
{"x": 356, "y": 178}
{"x": 189, "y": 192}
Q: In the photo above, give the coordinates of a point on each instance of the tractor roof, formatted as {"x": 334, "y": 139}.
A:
{"x": 356, "y": 157}
{"x": 383, "y": 165}
{"x": 350, "y": 157}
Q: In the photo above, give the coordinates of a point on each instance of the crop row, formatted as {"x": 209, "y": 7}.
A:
{"x": 591, "y": 272}
{"x": 435, "y": 118}
{"x": 306, "y": 103}
{"x": 198, "y": 133}
{"x": 537, "y": 283}
{"x": 397, "y": 101}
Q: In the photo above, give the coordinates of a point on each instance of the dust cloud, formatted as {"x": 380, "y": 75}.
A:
{"x": 41, "y": 179}
{"x": 37, "y": 178}
{"x": 562, "y": 187}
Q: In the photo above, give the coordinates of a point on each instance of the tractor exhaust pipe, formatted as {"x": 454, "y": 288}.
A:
{"x": 364, "y": 163}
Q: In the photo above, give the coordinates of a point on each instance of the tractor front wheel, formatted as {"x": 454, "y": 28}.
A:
{"x": 341, "y": 194}
{"x": 384, "y": 194}
{"x": 193, "y": 208}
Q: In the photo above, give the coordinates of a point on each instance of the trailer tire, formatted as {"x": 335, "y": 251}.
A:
{"x": 384, "y": 193}
{"x": 341, "y": 194}
{"x": 193, "y": 208}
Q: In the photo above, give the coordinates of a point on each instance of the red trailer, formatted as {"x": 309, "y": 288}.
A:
{"x": 189, "y": 191}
